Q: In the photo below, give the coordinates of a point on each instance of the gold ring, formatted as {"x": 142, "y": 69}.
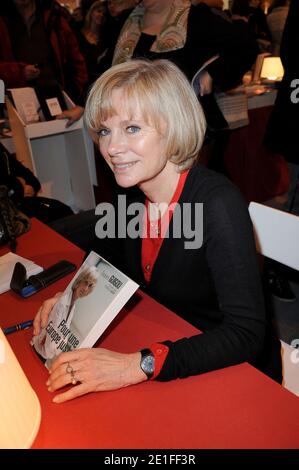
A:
{"x": 69, "y": 369}
{"x": 74, "y": 380}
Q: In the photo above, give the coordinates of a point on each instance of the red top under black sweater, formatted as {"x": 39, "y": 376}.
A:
{"x": 216, "y": 287}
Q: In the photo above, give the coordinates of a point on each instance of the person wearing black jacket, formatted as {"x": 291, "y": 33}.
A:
{"x": 282, "y": 137}
{"x": 23, "y": 188}
{"x": 191, "y": 35}
{"x": 198, "y": 260}
{"x": 19, "y": 180}
{"x": 282, "y": 129}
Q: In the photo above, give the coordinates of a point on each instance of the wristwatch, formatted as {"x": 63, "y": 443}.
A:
{"x": 147, "y": 363}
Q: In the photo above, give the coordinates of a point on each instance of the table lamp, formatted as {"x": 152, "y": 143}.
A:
{"x": 272, "y": 69}
{"x": 20, "y": 411}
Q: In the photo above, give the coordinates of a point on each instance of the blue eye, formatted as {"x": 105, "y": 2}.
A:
{"x": 103, "y": 132}
{"x": 133, "y": 129}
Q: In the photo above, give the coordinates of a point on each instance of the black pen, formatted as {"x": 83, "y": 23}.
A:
{"x": 18, "y": 327}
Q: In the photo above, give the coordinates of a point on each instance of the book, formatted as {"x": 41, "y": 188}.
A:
{"x": 51, "y": 100}
{"x": 195, "y": 82}
{"x": 214, "y": 117}
{"x": 26, "y": 103}
{"x": 42, "y": 103}
{"x": 86, "y": 308}
{"x": 7, "y": 264}
{"x": 222, "y": 109}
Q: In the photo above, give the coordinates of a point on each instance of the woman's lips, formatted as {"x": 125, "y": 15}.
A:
{"x": 120, "y": 167}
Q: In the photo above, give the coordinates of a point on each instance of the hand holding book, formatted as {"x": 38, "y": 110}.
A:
{"x": 74, "y": 320}
{"x": 202, "y": 81}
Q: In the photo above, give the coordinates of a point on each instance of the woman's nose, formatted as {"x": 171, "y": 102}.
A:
{"x": 116, "y": 144}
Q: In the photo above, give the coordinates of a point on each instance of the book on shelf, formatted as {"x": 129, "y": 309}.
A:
{"x": 86, "y": 308}
{"x": 38, "y": 104}
{"x": 7, "y": 265}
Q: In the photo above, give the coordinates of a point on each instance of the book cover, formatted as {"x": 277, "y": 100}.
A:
{"x": 195, "y": 82}
{"x": 51, "y": 100}
{"x": 7, "y": 264}
{"x": 26, "y": 103}
{"x": 90, "y": 302}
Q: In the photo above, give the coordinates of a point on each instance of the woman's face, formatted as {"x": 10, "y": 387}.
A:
{"x": 84, "y": 288}
{"x": 133, "y": 149}
{"x": 98, "y": 15}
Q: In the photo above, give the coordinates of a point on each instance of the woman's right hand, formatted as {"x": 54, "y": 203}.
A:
{"x": 41, "y": 318}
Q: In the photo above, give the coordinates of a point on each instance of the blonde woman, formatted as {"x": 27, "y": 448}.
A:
{"x": 149, "y": 127}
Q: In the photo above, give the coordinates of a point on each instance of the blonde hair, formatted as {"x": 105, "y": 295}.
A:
{"x": 89, "y": 275}
{"x": 164, "y": 96}
{"x": 88, "y": 17}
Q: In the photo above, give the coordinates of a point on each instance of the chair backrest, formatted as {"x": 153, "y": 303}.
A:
{"x": 277, "y": 237}
{"x": 276, "y": 234}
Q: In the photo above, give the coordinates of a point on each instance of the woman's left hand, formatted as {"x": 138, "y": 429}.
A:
{"x": 95, "y": 370}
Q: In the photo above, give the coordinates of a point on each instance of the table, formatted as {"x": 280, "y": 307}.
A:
{"x": 259, "y": 173}
{"x": 236, "y": 407}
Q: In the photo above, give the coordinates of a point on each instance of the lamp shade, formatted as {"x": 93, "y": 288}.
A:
{"x": 20, "y": 411}
{"x": 272, "y": 68}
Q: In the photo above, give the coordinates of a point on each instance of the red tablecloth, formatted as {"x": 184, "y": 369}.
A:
{"x": 236, "y": 407}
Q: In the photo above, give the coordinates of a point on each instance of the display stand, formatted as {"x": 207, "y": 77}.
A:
{"x": 61, "y": 158}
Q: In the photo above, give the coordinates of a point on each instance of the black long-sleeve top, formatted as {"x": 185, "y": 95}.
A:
{"x": 216, "y": 287}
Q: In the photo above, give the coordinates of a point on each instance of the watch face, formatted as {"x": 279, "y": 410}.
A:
{"x": 148, "y": 364}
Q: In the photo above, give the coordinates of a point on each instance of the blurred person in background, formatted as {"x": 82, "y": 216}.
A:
{"x": 117, "y": 13}
{"x": 23, "y": 188}
{"x": 276, "y": 20}
{"x": 91, "y": 38}
{"x": 38, "y": 48}
{"x": 189, "y": 35}
{"x": 249, "y": 12}
{"x": 217, "y": 7}
{"x": 282, "y": 137}
{"x": 258, "y": 21}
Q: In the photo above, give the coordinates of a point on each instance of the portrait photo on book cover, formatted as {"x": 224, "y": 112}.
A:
{"x": 86, "y": 308}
